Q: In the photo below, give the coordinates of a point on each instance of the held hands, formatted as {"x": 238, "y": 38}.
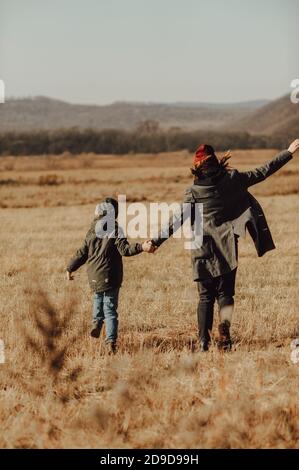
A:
{"x": 148, "y": 246}
{"x": 294, "y": 146}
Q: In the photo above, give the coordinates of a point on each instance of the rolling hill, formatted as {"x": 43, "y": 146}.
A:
{"x": 280, "y": 116}
{"x": 255, "y": 117}
{"x": 44, "y": 113}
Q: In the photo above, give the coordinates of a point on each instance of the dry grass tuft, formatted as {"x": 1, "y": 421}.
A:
{"x": 59, "y": 388}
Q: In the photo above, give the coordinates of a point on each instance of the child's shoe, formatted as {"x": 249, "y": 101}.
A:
{"x": 95, "y": 329}
{"x": 111, "y": 348}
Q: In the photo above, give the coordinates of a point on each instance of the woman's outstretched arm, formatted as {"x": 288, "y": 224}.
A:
{"x": 249, "y": 178}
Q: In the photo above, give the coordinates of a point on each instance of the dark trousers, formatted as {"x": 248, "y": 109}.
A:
{"x": 220, "y": 288}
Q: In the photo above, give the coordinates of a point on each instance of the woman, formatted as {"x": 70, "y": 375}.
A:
{"x": 228, "y": 210}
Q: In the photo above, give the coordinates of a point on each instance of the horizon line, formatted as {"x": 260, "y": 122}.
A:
{"x": 145, "y": 102}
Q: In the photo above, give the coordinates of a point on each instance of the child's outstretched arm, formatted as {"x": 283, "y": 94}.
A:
{"x": 249, "y": 178}
{"x": 131, "y": 249}
{"x": 78, "y": 260}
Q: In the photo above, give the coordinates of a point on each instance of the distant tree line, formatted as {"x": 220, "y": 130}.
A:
{"x": 145, "y": 139}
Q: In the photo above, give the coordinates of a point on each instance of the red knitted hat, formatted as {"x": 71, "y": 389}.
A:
{"x": 202, "y": 153}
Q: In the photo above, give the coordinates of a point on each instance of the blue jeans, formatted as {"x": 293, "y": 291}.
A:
{"x": 105, "y": 309}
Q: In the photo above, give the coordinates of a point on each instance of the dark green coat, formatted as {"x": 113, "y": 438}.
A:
{"x": 228, "y": 209}
{"x": 104, "y": 258}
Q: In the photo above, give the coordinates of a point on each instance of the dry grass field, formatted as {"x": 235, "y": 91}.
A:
{"x": 59, "y": 388}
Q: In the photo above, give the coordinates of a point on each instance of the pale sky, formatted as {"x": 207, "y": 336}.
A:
{"x": 100, "y": 51}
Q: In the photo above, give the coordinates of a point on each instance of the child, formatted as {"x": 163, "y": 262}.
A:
{"x": 102, "y": 250}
